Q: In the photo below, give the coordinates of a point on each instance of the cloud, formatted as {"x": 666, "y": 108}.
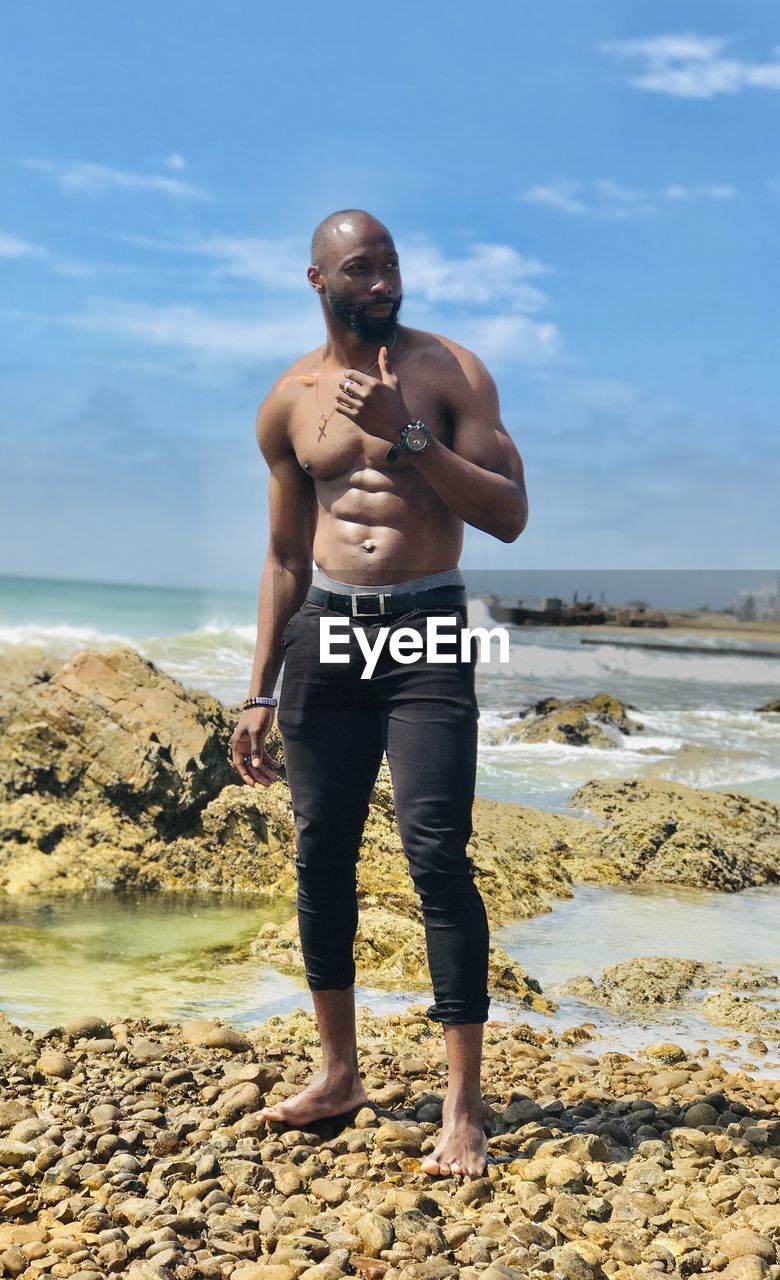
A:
{"x": 481, "y": 297}
{"x": 605, "y": 198}
{"x": 707, "y": 191}
{"x": 79, "y": 270}
{"x": 691, "y": 65}
{"x": 176, "y": 161}
{"x": 94, "y": 179}
{"x": 505, "y": 338}
{"x": 561, "y": 194}
{"x": 486, "y": 275}
{"x": 276, "y": 264}
{"x": 511, "y": 339}
{"x": 194, "y": 329}
{"x": 14, "y": 247}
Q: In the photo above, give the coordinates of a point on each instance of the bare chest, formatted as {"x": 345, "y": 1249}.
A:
{"x": 329, "y": 445}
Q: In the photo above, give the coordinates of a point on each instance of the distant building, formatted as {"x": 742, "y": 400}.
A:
{"x": 761, "y": 603}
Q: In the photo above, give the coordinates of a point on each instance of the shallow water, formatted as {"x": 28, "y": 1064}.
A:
{"x": 121, "y": 955}
{"x": 168, "y": 957}
{"x": 601, "y": 926}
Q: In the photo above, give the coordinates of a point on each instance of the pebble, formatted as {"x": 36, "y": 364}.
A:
{"x": 742, "y": 1241}
{"x": 52, "y": 1063}
{"x": 208, "y": 1033}
{"x": 88, "y": 1027}
{"x": 747, "y": 1267}
{"x": 12, "y": 1110}
{"x": 13, "y": 1154}
{"x": 237, "y": 1101}
{"x": 329, "y": 1190}
{"x": 376, "y": 1233}
{"x": 606, "y": 1169}
{"x": 701, "y": 1115}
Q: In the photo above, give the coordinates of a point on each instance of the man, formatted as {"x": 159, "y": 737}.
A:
{"x": 384, "y": 527}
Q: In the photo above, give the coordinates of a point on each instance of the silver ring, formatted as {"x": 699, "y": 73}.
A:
{"x": 246, "y": 759}
{"x": 347, "y": 383}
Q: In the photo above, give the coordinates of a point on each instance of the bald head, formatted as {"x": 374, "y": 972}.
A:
{"x": 355, "y": 271}
{"x": 344, "y": 230}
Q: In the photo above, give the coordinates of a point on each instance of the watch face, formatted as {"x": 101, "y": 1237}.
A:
{"x": 416, "y": 439}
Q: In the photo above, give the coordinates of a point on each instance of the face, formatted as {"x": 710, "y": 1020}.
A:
{"x": 360, "y": 282}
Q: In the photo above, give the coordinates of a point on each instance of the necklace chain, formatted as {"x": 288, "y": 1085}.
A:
{"x": 326, "y": 417}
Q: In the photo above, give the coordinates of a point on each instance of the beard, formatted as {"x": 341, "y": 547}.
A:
{"x": 356, "y": 317}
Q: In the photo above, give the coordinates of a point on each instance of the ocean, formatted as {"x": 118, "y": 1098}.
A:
{"x": 698, "y": 711}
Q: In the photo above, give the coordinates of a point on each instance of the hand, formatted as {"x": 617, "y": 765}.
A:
{"x": 375, "y": 404}
{"x": 248, "y": 741}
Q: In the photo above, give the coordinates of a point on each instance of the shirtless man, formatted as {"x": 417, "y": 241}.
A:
{"x": 372, "y": 522}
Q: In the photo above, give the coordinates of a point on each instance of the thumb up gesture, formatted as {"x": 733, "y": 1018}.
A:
{"x": 375, "y": 404}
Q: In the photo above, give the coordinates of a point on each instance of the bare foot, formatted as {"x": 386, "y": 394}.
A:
{"x": 323, "y": 1096}
{"x": 462, "y": 1147}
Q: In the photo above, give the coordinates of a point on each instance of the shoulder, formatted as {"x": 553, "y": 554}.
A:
{"x": 273, "y": 416}
{"x": 463, "y": 368}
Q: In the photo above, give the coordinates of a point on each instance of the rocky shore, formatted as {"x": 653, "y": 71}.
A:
{"x": 114, "y": 775}
{"x": 743, "y": 997}
{"x": 135, "y": 1149}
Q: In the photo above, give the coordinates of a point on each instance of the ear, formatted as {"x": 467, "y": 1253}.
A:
{"x": 314, "y": 276}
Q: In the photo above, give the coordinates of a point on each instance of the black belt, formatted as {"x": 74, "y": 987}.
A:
{"x": 370, "y": 604}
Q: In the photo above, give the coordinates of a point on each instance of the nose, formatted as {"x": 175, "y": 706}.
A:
{"x": 381, "y": 286}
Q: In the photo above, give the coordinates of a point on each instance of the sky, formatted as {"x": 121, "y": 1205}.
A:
{"x": 586, "y": 196}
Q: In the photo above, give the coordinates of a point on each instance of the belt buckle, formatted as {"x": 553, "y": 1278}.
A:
{"x": 364, "y": 595}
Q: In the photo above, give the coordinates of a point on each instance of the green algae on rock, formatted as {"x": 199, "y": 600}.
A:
{"x": 661, "y": 832}
{"x": 711, "y": 990}
{"x": 597, "y": 721}
{"x": 109, "y": 770}
{"x": 390, "y": 954}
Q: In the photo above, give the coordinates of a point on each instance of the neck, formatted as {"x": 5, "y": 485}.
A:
{"x": 344, "y": 347}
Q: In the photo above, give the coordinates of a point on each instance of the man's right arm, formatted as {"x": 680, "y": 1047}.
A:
{"x": 292, "y": 515}
{"x": 292, "y": 508}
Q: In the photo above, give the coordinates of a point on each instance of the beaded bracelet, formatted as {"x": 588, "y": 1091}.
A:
{"x": 259, "y": 702}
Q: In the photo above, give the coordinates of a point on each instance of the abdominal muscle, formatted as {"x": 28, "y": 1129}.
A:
{"x": 375, "y": 535}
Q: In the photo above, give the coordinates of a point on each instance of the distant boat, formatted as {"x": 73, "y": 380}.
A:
{"x": 551, "y": 611}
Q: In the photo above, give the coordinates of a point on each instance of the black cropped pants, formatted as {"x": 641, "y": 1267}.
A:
{"x": 335, "y": 728}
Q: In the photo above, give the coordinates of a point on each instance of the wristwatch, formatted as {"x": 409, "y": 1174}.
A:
{"x": 414, "y": 438}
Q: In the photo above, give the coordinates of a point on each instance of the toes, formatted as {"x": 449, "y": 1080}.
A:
{"x": 429, "y": 1165}
{"x": 444, "y": 1168}
{"x": 271, "y": 1117}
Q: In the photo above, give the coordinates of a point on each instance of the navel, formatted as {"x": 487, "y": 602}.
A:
{"x": 369, "y": 546}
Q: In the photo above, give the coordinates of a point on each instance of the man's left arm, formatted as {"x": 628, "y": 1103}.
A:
{"x": 481, "y": 478}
